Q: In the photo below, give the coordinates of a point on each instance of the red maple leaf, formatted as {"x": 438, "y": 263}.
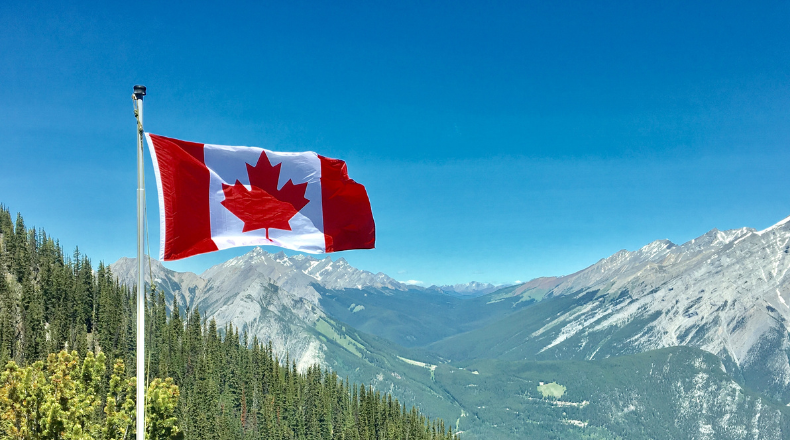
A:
{"x": 264, "y": 206}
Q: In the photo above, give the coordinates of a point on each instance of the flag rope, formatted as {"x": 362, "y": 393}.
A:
{"x": 145, "y": 218}
{"x": 148, "y": 243}
{"x": 137, "y": 115}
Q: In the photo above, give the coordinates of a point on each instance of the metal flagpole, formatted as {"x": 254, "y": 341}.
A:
{"x": 139, "y": 92}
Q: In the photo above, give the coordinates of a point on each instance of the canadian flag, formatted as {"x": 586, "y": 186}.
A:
{"x": 214, "y": 197}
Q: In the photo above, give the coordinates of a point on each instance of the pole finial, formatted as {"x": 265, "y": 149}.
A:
{"x": 139, "y": 91}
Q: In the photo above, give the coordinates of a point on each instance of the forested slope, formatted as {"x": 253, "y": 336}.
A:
{"x": 231, "y": 386}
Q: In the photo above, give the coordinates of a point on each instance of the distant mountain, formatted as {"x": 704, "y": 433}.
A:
{"x": 467, "y": 290}
{"x": 272, "y": 296}
{"x": 181, "y": 285}
{"x": 725, "y": 292}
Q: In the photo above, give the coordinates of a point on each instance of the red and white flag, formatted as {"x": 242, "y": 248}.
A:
{"x": 214, "y": 197}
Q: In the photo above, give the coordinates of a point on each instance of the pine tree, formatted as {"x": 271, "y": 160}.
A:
{"x": 7, "y": 321}
{"x": 32, "y": 322}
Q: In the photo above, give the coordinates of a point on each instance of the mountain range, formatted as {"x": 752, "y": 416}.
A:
{"x": 710, "y": 316}
{"x": 725, "y": 292}
{"x": 468, "y": 290}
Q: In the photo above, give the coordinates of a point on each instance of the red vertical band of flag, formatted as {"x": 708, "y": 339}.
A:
{"x": 348, "y": 220}
{"x": 184, "y": 189}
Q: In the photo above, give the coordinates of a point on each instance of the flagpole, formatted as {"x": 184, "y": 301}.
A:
{"x": 139, "y": 92}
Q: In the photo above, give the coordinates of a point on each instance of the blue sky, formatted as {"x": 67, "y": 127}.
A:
{"x": 498, "y": 141}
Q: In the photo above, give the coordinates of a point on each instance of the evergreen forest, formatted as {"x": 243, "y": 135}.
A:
{"x": 67, "y": 349}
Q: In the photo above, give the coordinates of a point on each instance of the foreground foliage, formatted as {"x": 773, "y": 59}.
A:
{"x": 63, "y": 400}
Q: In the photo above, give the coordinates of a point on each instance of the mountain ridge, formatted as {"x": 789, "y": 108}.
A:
{"x": 725, "y": 292}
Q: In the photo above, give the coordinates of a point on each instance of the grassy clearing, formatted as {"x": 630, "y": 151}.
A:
{"x": 349, "y": 344}
{"x": 553, "y": 389}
